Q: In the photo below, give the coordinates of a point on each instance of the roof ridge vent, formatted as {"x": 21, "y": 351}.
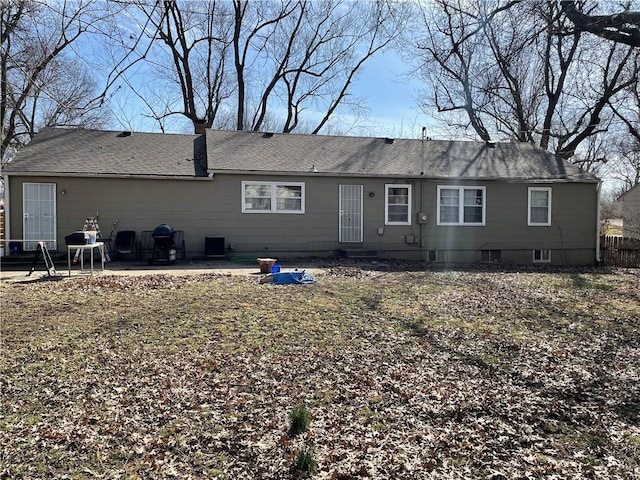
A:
{"x": 126, "y": 133}
{"x": 389, "y": 140}
{"x": 267, "y": 134}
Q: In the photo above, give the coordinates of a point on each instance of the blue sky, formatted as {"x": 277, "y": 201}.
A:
{"x": 392, "y": 98}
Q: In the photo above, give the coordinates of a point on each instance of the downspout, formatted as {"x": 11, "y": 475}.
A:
{"x": 422, "y": 206}
{"x": 7, "y": 215}
{"x": 598, "y": 188}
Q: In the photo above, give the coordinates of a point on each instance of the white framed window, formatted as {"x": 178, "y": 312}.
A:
{"x": 542, "y": 256}
{"x": 461, "y": 205}
{"x": 272, "y": 197}
{"x": 397, "y": 204}
{"x": 539, "y": 207}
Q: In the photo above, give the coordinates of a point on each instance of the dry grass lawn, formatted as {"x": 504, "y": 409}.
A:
{"x": 406, "y": 375}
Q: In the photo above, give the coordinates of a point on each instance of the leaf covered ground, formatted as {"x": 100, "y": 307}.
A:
{"x": 406, "y": 375}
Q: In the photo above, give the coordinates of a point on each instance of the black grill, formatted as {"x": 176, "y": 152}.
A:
{"x": 163, "y": 244}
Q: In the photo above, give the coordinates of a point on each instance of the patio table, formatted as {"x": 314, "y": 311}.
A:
{"x": 91, "y": 247}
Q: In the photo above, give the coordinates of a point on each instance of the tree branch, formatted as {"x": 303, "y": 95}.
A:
{"x": 623, "y": 27}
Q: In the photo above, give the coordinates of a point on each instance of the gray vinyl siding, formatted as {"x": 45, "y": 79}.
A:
{"x": 266, "y": 234}
{"x": 571, "y": 236}
{"x": 213, "y": 207}
{"x": 631, "y": 213}
{"x": 573, "y": 213}
{"x": 137, "y": 204}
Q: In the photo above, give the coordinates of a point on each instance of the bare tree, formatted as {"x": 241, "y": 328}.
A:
{"x": 626, "y": 151}
{"x": 621, "y": 27}
{"x": 451, "y": 45}
{"x": 522, "y": 70}
{"x": 269, "y": 62}
{"x": 253, "y": 35}
{"x": 626, "y": 165}
{"x": 197, "y": 40}
{"x": 617, "y": 69}
{"x": 41, "y": 85}
{"x": 628, "y": 111}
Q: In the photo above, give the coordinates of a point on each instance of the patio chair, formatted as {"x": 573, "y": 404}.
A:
{"x": 144, "y": 245}
{"x": 125, "y": 244}
{"x": 179, "y": 245}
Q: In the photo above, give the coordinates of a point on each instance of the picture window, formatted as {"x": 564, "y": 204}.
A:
{"x": 272, "y": 197}
{"x": 461, "y": 205}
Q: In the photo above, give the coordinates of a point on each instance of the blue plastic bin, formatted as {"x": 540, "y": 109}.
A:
{"x": 15, "y": 248}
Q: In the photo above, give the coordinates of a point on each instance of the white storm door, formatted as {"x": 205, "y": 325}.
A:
{"x": 350, "y": 213}
{"x": 39, "y": 214}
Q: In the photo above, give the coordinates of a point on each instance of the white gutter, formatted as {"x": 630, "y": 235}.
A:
{"x": 108, "y": 175}
{"x": 408, "y": 175}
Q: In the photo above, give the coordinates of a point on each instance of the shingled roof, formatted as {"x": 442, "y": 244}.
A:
{"x": 110, "y": 153}
{"x": 63, "y": 151}
{"x": 384, "y": 157}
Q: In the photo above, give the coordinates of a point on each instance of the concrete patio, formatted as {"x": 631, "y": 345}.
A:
{"x": 19, "y": 273}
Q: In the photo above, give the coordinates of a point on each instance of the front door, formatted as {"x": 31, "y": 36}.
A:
{"x": 350, "y": 213}
{"x": 39, "y": 214}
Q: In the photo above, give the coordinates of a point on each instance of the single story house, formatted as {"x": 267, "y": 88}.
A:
{"x": 291, "y": 195}
{"x": 630, "y": 201}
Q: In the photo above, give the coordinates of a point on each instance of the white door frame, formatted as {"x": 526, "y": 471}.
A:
{"x": 39, "y": 214}
{"x": 351, "y": 214}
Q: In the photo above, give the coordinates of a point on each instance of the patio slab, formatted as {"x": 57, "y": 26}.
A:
{"x": 18, "y": 273}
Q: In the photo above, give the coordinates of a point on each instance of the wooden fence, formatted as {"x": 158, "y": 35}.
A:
{"x": 620, "y": 251}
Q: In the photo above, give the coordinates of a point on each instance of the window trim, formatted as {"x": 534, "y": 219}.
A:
{"x": 530, "y": 223}
{"x": 274, "y": 197}
{"x": 542, "y": 258}
{"x": 387, "y": 187}
{"x": 461, "y": 189}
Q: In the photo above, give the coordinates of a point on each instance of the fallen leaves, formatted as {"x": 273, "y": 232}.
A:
{"x": 405, "y": 375}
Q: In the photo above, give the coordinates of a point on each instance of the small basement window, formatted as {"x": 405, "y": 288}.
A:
{"x": 490, "y": 255}
{"x": 542, "y": 256}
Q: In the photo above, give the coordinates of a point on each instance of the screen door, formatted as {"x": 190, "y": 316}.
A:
{"x": 350, "y": 213}
{"x": 39, "y": 214}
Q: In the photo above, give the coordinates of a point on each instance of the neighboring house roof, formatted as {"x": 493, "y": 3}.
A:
{"x": 63, "y": 151}
{"x": 108, "y": 153}
{"x": 632, "y": 189}
{"x": 361, "y": 156}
